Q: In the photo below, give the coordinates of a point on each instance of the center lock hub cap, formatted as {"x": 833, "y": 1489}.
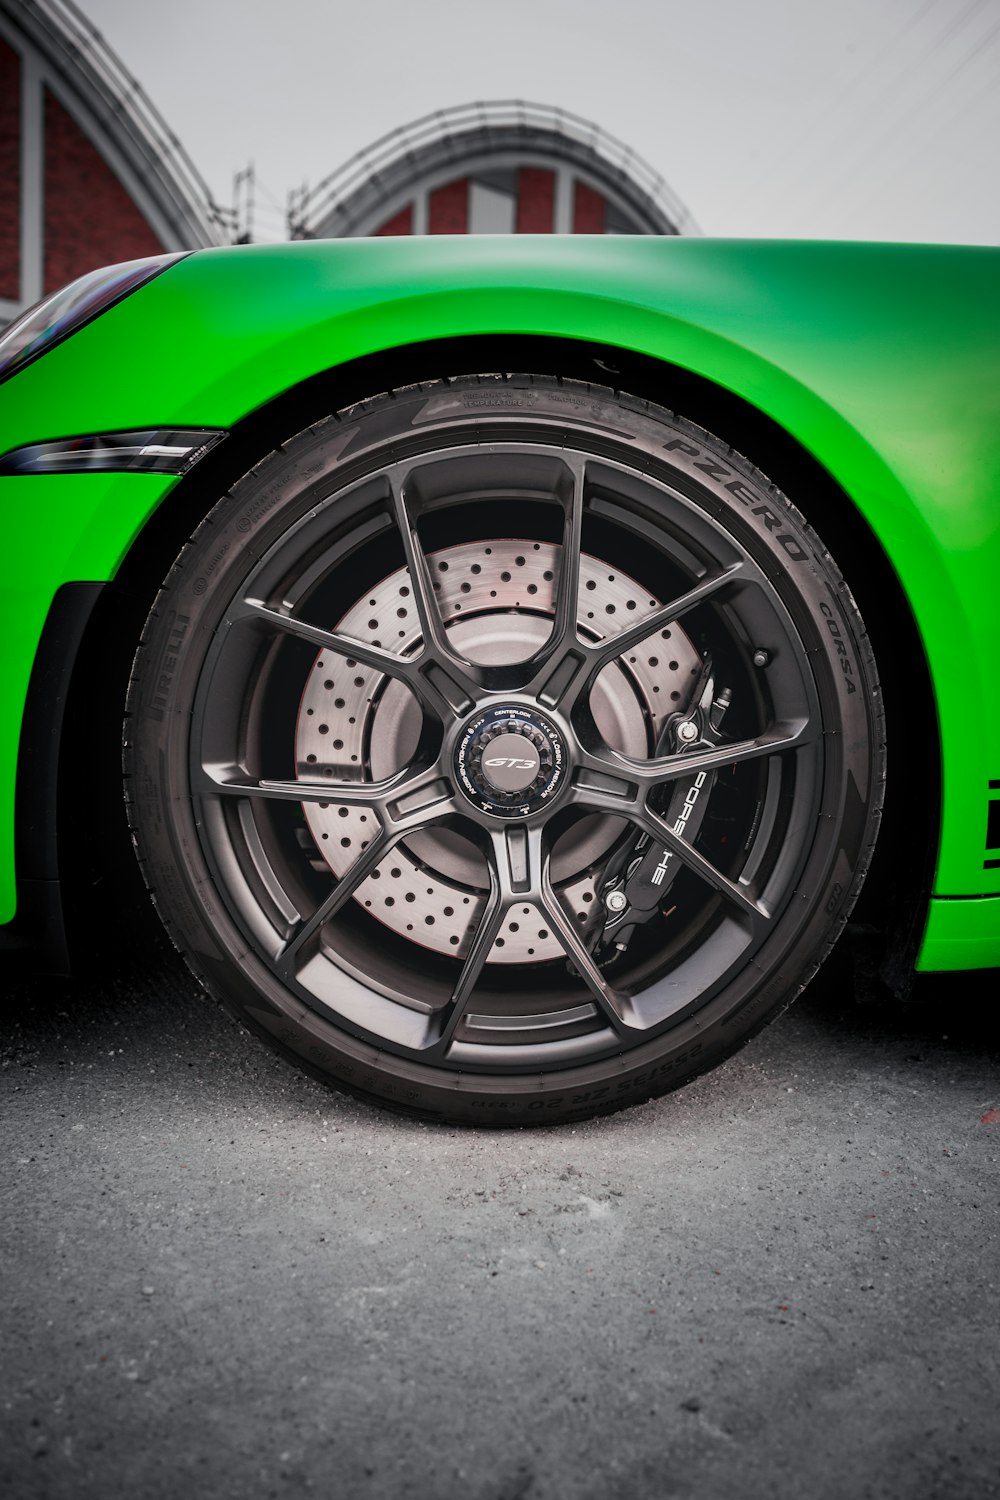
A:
{"x": 510, "y": 761}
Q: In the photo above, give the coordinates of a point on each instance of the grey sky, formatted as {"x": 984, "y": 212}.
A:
{"x": 837, "y": 118}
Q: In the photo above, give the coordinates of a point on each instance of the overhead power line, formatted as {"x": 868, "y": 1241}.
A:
{"x": 861, "y": 146}
{"x": 824, "y": 110}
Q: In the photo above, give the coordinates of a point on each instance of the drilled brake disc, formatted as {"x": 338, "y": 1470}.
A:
{"x": 497, "y": 601}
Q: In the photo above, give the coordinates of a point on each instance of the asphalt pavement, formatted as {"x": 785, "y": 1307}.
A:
{"x": 221, "y": 1279}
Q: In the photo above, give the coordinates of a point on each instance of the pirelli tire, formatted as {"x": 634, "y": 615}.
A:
{"x": 342, "y": 861}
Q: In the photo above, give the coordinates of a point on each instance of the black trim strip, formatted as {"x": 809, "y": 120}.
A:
{"x": 991, "y": 864}
{"x": 993, "y": 824}
{"x": 979, "y": 896}
{"x": 39, "y": 920}
{"x": 37, "y": 845}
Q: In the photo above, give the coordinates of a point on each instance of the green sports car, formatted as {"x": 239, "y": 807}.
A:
{"x": 526, "y": 647}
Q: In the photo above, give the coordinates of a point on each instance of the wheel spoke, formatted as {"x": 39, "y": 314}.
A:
{"x": 613, "y": 1006}
{"x": 568, "y": 593}
{"x": 405, "y": 802}
{"x": 737, "y": 895}
{"x": 421, "y": 583}
{"x": 437, "y": 681}
{"x": 485, "y": 936}
{"x": 614, "y": 646}
{"x": 395, "y": 797}
{"x": 346, "y": 886}
{"x": 622, "y": 770}
{"x": 568, "y": 672}
{"x": 436, "y": 646}
{"x": 510, "y": 854}
{"x": 327, "y": 640}
{"x": 622, "y": 790}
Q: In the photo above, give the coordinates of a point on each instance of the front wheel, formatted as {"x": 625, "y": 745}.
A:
{"x": 505, "y": 750}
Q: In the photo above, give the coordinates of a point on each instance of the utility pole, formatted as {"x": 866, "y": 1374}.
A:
{"x": 244, "y": 192}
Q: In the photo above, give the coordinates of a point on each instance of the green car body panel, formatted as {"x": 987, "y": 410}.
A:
{"x": 879, "y": 360}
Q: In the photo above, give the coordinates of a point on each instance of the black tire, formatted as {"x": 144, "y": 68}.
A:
{"x": 412, "y": 580}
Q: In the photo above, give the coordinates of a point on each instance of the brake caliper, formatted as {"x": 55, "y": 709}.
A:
{"x": 639, "y": 876}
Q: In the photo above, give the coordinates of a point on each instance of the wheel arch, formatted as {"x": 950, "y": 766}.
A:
{"x": 894, "y": 906}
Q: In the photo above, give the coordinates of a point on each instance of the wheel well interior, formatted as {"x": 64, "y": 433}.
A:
{"x": 890, "y": 904}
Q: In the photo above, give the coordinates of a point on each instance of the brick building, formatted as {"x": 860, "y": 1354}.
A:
{"x": 89, "y": 171}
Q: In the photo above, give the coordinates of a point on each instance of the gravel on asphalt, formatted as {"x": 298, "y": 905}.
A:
{"x": 221, "y": 1278}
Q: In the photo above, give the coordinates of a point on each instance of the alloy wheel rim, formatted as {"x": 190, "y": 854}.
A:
{"x": 313, "y": 926}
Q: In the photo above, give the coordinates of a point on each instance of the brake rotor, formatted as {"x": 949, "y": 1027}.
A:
{"x": 497, "y": 600}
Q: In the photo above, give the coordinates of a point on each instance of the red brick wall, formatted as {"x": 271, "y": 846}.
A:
{"x": 90, "y": 220}
{"x": 10, "y": 173}
{"x": 401, "y": 223}
{"x": 448, "y": 211}
{"x": 536, "y": 188}
{"x": 588, "y": 210}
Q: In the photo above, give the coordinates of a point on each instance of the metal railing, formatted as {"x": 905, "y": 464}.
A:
{"x": 310, "y": 207}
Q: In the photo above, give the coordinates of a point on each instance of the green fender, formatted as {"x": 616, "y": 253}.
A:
{"x": 879, "y": 360}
